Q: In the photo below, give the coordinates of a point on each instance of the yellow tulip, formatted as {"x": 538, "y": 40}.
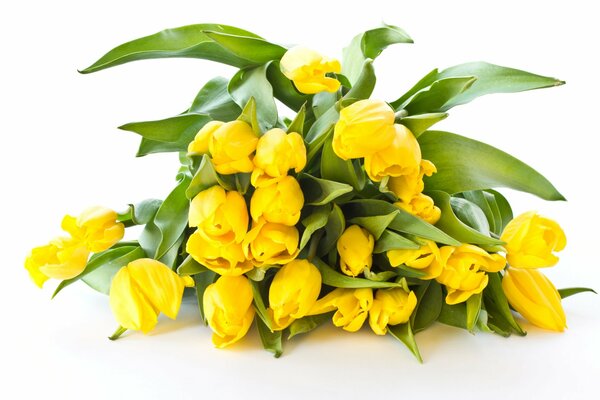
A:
{"x": 219, "y": 215}
{"x": 408, "y": 186}
{"x": 423, "y": 207}
{"x": 293, "y": 292}
{"x": 391, "y": 307}
{"x": 307, "y": 69}
{"x": 355, "y": 247}
{"x": 228, "y": 309}
{"x": 364, "y": 128}
{"x": 352, "y": 307}
{"x": 402, "y": 157}
{"x": 267, "y": 243}
{"x": 201, "y": 142}
{"x": 96, "y": 228}
{"x": 63, "y": 258}
{"x": 279, "y": 203}
{"x": 464, "y": 270}
{"x": 276, "y": 153}
{"x": 533, "y": 295}
{"x": 143, "y": 289}
{"x": 422, "y": 259}
{"x": 231, "y": 147}
{"x": 531, "y": 241}
{"x": 224, "y": 259}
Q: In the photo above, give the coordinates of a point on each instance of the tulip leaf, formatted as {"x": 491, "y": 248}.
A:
{"x": 418, "y": 124}
{"x": 308, "y": 323}
{"x": 506, "y": 214}
{"x": 252, "y": 83}
{"x": 365, "y": 83}
{"x": 375, "y": 224}
{"x": 345, "y": 171}
{"x": 180, "y": 129}
{"x": 403, "y": 221}
{"x": 189, "y": 266}
{"x": 297, "y": 125}
{"x": 429, "y": 305}
{"x": 382, "y": 276}
{"x": 316, "y": 219}
{"x": 205, "y": 177}
{"x": 496, "y": 304}
{"x": 140, "y": 213}
{"x": 253, "y": 49}
{"x": 271, "y": 340}
{"x": 187, "y": 41}
{"x": 479, "y": 198}
{"x": 470, "y": 214}
{"x": 433, "y": 98}
{"x": 203, "y": 280}
{"x": 322, "y": 102}
{"x": 259, "y": 305}
{"x": 454, "y": 315}
{"x": 564, "y": 293}
{"x": 333, "y": 278}
{"x": 318, "y": 192}
{"x": 420, "y": 85}
{"x": 473, "y": 309}
{"x": 321, "y": 127}
{"x": 404, "y": 333}
{"x": 171, "y": 256}
{"x": 336, "y": 224}
{"x": 482, "y": 324}
{"x": 283, "y": 89}
{"x": 494, "y": 168}
{"x": 390, "y": 240}
{"x": 214, "y": 99}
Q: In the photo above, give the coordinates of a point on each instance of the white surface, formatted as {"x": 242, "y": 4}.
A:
{"x": 61, "y": 151}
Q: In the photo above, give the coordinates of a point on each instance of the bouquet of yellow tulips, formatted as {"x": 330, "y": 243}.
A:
{"x": 302, "y": 200}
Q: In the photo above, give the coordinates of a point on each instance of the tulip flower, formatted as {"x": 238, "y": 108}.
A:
{"x": 276, "y": 153}
{"x": 228, "y": 309}
{"x": 308, "y": 69}
{"x": 201, "y": 142}
{"x": 401, "y": 157}
{"x": 278, "y": 203}
{"x": 421, "y": 259}
{"x": 408, "y": 186}
{"x": 423, "y": 207}
{"x": 352, "y": 307}
{"x": 143, "y": 289}
{"x": 231, "y": 147}
{"x": 224, "y": 259}
{"x": 531, "y": 241}
{"x": 293, "y": 292}
{"x": 267, "y": 243}
{"x": 355, "y": 247}
{"x": 63, "y": 258}
{"x": 533, "y": 295}
{"x": 391, "y": 307}
{"x": 364, "y": 128}
{"x": 96, "y": 228}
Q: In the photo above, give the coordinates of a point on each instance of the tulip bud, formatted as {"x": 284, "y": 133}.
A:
{"x": 464, "y": 270}
{"x": 531, "y": 241}
{"x": 421, "y": 259}
{"x": 423, "y": 207}
{"x": 278, "y": 203}
{"x": 364, "y": 128}
{"x": 408, "y": 186}
{"x": 277, "y": 153}
{"x": 63, "y": 258}
{"x": 96, "y": 228}
{"x": 267, "y": 243}
{"x": 352, "y": 307}
{"x": 228, "y": 309}
{"x": 143, "y": 289}
{"x": 355, "y": 247}
{"x": 533, "y": 295}
{"x": 224, "y": 259}
{"x": 307, "y": 69}
{"x": 201, "y": 142}
{"x": 391, "y": 307}
{"x": 219, "y": 215}
{"x": 402, "y": 157}
{"x": 293, "y": 292}
{"x": 231, "y": 147}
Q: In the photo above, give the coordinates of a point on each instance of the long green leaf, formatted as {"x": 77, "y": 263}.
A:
{"x": 316, "y": 220}
{"x": 418, "y": 124}
{"x": 189, "y": 267}
{"x": 344, "y": 171}
{"x": 180, "y": 129}
{"x": 100, "y": 276}
{"x": 336, "y": 224}
{"x": 333, "y": 278}
{"x": 429, "y": 306}
{"x": 319, "y": 191}
{"x": 497, "y": 306}
{"x": 202, "y": 281}
{"x": 205, "y": 177}
{"x": 470, "y": 214}
{"x": 307, "y": 324}
{"x": 253, "y": 49}
{"x": 365, "y": 83}
{"x": 283, "y": 88}
{"x": 473, "y": 310}
{"x": 390, "y": 240}
{"x": 441, "y": 92}
{"x": 567, "y": 292}
{"x": 271, "y": 340}
{"x": 140, "y": 213}
{"x": 214, "y": 99}
{"x": 403, "y": 333}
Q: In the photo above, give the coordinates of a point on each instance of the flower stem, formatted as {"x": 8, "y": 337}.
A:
{"x": 120, "y": 330}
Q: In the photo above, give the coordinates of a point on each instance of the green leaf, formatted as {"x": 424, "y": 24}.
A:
{"x": 252, "y": 83}
{"x": 433, "y": 98}
{"x": 418, "y": 124}
{"x": 403, "y": 333}
{"x": 479, "y": 166}
{"x": 283, "y": 88}
{"x": 429, "y": 305}
{"x": 318, "y": 192}
{"x": 171, "y": 256}
{"x": 479, "y": 198}
{"x": 205, "y": 177}
{"x": 322, "y": 102}
{"x": 473, "y": 310}
{"x": 259, "y": 305}
{"x": 249, "y": 115}
{"x": 271, "y": 340}
{"x": 564, "y": 293}
{"x": 496, "y": 304}
{"x": 344, "y": 171}
{"x": 333, "y": 278}
{"x": 180, "y": 129}
{"x": 376, "y": 224}
{"x": 308, "y": 323}
{"x": 253, "y": 49}
{"x": 297, "y": 125}
{"x": 454, "y": 315}
{"x": 470, "y": 214}
{"x": 189, "y": 266}
{"x": 336, "y": 224}
{"x": 110, "y": 260}
{"x": 506, "y": 214}
{"x": 148, "y": 146}
{"x": 140, "y": 213}
{"x": 187, "y": 41}
{"x": 214, "y": 99}
{"x": 420, "y": 85}
{"x": 390, "y": 240}
{"x": 382, "y": 276}
{"x": 365, "y": 83}
{"x": 202, "y": 281}
{"x": 316, "y": 219}
{"x": 322, "y": 132}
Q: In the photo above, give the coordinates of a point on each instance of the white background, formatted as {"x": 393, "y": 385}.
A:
{"x": 61, "y": 152}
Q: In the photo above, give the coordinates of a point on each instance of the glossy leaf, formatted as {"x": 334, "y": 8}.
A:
{"x": 454, "y": 315}
{"x": 496, "y": 304}
{"x": 365, "y": 83}
{"x": 271, "y": 340}
{"x": 473, "y": 309}
{"x": 189, "y": 266}
{"x": 283, "y": 88}
{"x": 259, "y": 305}
{"x": 333, "y": 278}
{"x": 322, "y": 102}
{"x": 214, "y": 99}
{"x": 297, "y": 125}
{"x": 205, "y": 177}
{"x": 418, "y": 124}
{"x": 564, "y": 293}
{"x": 180, "y": 129}
{"x": 317, "y": 132}
{"x": 479, "y": 198}
{"x": 202, "y": 281}
{"x": 375, "y": 224}
{"x": 429, "y": 305}
{"x": 253, "y": 49}
{"x": 390, "y": 240}
{"x": 470, "y": 214}
{"x": 345, "y": 171}
{"x": 433, "y": 98}
{"x": 316, "y": 219}
{"x": 506, "y": 214}
{"x": 336, "y": 224}
{"x": 318, "y": 192}
{"x": 494, "y": 168}
{"x": 404, "y": 333}
{"x": 308, "y": 323}
{"x": 140, "y": 213}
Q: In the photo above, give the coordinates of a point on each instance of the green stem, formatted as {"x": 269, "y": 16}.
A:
{"x": 120, "y": 330}
{"x": 314, "y": 244}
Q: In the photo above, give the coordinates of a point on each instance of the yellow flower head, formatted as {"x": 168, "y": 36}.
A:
{"x": 143, "y": 289}
{"x": 276, "y": 153}
{"x": 278, "y": 203}
{"x": 224, "y": 259}
{"x": 352, "y": 307}
{"x": 355, "y": 247}
{"x": 96, "y": 228}
{"x": 391, "y": 307}
{"x": 231, "y": 146}
{"x": 464, "y": 270}
{"x": 201, "y": 142}
{"x": 531, "y": 241}
{"x": 307, "y": 69}
{"x": 267, "y": 243}
{"x": 402, "y": 157}
{"x": 423, "y": 207}
{"x": 408, "y": 186}
{"x": 293, "y": 292}
{"x": 364, "y": 128}
{"x": 228, "y": 309}
{"x": 533, "y": 295}
{"x": 421, "y": 259}
{"x": 63, "y": 258}
{"x": 219, "y": 215}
